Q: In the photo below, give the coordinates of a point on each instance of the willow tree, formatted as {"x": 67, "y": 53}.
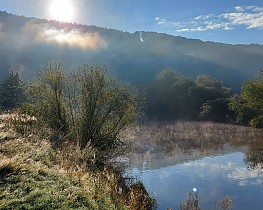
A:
{"x": 87, "y": 104}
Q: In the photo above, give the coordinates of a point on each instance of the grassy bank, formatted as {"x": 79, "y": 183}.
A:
{"x": 34, "y": 175}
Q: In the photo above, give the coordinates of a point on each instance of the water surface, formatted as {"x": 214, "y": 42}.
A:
{"x": 217, "y": 163}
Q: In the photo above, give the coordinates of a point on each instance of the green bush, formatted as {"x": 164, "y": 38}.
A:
{"x": 86, "y": 105}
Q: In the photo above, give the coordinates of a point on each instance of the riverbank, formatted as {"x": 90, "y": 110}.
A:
{"x": 36, "y": 175}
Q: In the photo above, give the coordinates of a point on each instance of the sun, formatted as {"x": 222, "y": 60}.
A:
{"x": 61, "y": 10}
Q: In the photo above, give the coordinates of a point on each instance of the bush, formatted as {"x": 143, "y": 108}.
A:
{"x": 87, "y": 105}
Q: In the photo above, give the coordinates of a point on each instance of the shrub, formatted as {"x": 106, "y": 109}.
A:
{"x": 87, "y": 105}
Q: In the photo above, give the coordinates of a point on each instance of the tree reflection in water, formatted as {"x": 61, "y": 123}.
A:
{"x": 177, "y": 142}
{"x": 254, "y": 155}
{"x": 173, "y": 157}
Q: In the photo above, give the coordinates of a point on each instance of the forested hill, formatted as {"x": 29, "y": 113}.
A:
{"x": 28, "y": 43}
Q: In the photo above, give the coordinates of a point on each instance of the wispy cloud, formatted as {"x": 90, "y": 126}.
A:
{"x": 163, "y": 21}
{"x": 204, "y": 17}
{"x": 160, "y": 21}
{"x": 251, "y": 17}
{"x": 230, "y": 170}
{"x": 240, "y": 173}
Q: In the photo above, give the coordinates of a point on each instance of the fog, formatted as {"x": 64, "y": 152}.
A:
{"x": 29, "y": 43}
{"x": 44, "y": 33}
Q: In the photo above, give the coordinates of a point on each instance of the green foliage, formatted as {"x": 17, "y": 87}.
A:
{"x": 213, "y": 97}
{"x": 27, "y": 108}
{"x": 87, "y": 104}
{"x": 171, "y": 96}
{"x": 12, "y": 92}
{"x": 248, "y": 106}
{"x": 46, "y": 95}
{"x": 101, "y": 107}
{"x": 243, "y": 113}
{"x": 212, "y": 87}
{"x": 42, "y": 189}
{"x": 216, "y": 110}
{"x": 167, "y": 94}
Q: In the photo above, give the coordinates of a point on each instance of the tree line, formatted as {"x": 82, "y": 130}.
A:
{"x": 173, "y": 97}
{"x": 92, "y": 105}
{"x": 170, "y": 96}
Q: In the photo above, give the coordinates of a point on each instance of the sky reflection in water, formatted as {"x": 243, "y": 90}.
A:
{"x": 218, "y": 160}
{"x": 214, "y": 177}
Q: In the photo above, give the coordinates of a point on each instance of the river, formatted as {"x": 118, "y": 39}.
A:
{"x": 217, "y": 160}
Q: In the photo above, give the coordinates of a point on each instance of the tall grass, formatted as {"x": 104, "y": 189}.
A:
{"x": 187, "y": 135}
{"x": 35, "y": 175}
{"x": 192, "y": 202}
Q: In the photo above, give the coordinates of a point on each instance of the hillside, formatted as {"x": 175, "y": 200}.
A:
{"x": 28, "y": 43}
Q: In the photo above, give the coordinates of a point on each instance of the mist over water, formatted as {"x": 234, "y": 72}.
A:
{"x": 218, "y": 160}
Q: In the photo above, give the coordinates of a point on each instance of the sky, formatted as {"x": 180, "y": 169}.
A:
{"x": 227, "y": 21}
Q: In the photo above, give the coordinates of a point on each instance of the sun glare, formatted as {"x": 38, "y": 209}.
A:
{"x": 61, "y": 10}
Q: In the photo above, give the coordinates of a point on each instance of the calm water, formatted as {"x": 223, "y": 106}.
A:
{"x": 231, "y": 167}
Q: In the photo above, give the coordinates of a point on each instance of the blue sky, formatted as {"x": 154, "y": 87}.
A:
{"x": 228, "y": 21}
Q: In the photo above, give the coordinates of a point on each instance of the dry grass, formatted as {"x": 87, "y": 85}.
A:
{"x": 21, "y": 123}
{"x": 34, "y": 175}
{"x": 176, "y": 142}
{"x": 192, "y": 202}
{"x": 188, "y": 135}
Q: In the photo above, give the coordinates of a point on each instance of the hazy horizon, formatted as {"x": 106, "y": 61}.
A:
{"x": 235, "y": 22}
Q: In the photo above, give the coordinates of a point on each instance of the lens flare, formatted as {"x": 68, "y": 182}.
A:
{"x": 61, "y": 10}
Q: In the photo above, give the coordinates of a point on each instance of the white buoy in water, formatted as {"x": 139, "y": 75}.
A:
{"x": 194, "y": 189}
